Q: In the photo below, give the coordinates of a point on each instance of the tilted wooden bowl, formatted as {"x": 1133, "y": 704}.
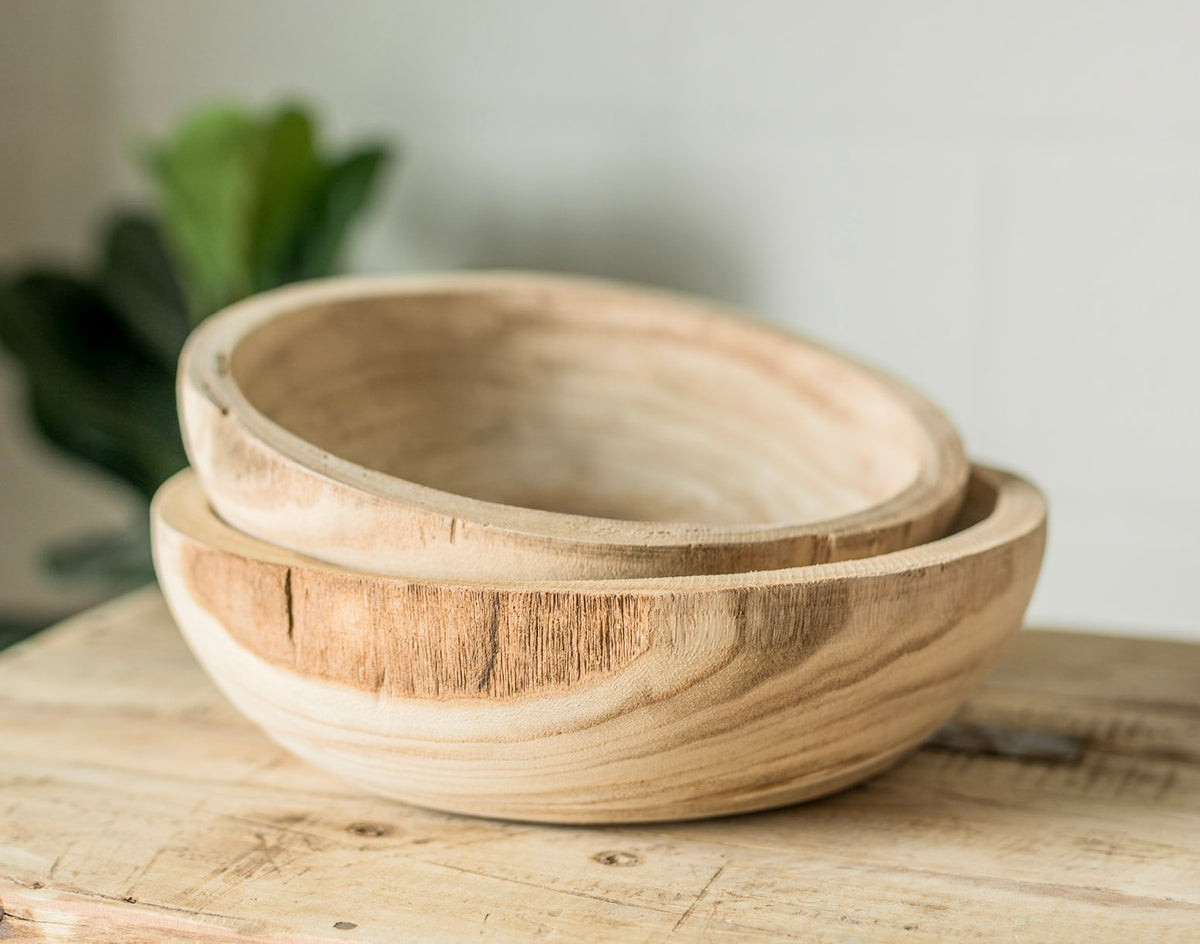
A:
{"x": 603, "y": 701}
{"x": 524, "y": 427}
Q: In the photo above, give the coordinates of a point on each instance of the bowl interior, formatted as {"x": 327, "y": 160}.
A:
{"x": 606, "y": 405}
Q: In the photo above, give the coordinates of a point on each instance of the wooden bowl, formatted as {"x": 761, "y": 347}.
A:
{"x": 603, "y": 701}
{"x": 526, "y": 427}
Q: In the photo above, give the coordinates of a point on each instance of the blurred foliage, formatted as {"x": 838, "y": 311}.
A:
{"x": 243, "y": 202}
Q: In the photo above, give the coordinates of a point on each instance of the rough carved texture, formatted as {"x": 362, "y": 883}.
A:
{"x": 603, "y": 701}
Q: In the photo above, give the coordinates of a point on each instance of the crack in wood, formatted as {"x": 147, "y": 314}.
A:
{"x": 572, "y": 892}
{"x": 700, "y": 897}
{"x": 291, "y": 618}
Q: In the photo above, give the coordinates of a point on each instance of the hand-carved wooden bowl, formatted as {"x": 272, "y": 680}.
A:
{"x": 603, "y": 701}
{"x": 524, "y": 427}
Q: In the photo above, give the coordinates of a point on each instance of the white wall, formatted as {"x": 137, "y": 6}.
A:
{"x": 998, "y": 202}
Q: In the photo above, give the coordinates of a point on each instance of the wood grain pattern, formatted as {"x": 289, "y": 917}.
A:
{"x": 137, "y": 806}
{"x": 603, "y": 701}
{"x": 511, "y": 426}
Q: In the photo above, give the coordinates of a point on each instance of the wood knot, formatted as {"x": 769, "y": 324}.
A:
{"x": 369, "y": 829}
{"x": 620, "y": 859}
{"x": 345, "y": 925}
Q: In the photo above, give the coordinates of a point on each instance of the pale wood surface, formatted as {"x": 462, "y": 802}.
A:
{"x": 137, "y": 806}
{"x": 518, "y": 426}
{"x": 603, "y": 701}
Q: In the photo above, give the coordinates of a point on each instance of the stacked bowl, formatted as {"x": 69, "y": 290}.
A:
{"x": 561, "y": 550}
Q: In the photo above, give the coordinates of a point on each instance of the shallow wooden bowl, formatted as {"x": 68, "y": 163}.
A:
{"x": 525, "y": 427}
{"x": 603, "y": 701}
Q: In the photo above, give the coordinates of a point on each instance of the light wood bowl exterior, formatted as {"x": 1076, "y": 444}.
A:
{"x": 603, "y": 701}
{"x": 507, "y": 426}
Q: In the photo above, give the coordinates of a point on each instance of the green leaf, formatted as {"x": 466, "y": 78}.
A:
{"x": 54, "y": 316}
{"x": 287, "y": 180}
{"x": 207, "y": 175}
{"x": 341, "y": 196}
{"x": 251, "y": 204}
{"x": 107, "y": 431}
{"x": 138, "y": 279}
{"x": 93, "y": 391}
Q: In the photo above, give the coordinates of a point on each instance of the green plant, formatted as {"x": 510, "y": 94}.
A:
{"x": 243, "y": 202}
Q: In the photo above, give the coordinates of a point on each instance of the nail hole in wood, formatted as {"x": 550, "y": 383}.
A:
{"x": 369, "y": 829}
{"x": 621, "y": 859}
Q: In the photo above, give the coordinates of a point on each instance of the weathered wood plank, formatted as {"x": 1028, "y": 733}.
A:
{"x": 136, "y": 806}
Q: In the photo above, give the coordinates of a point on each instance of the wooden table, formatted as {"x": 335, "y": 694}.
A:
{"x": 135, "y": 805}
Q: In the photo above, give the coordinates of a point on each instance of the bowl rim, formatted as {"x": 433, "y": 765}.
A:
{"x": 1017, "y": 509}
{"x": 206, "y": 368}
